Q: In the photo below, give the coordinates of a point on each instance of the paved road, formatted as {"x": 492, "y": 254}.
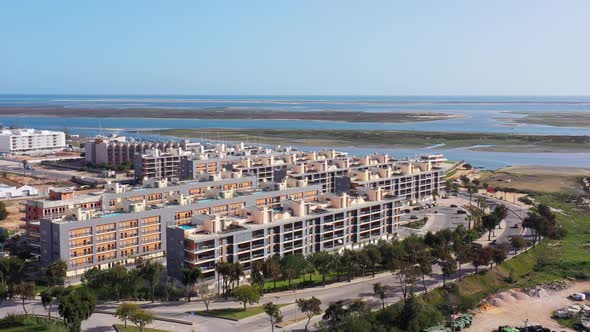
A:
{"x": 358, "y": 288}
{"x": 52, "y": 174}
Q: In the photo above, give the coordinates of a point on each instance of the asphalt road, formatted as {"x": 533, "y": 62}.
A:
{"x": 17, "y": 167}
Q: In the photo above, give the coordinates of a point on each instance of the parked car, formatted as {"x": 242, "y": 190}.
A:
{"x": 416, "y": 208}
{"x": 453, "y": 205}
{"x": 413, "y": 217}
{"x": 407, "y": 211}
{"x": 461, "y": 211}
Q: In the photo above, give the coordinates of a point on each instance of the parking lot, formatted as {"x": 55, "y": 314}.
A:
{"x": 442, "y": 215}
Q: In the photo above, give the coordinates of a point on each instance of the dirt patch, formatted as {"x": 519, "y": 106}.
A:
{"x": 533, "y": 179}
{"x": 16, "y": 215}
{"x": 515, "y": 306}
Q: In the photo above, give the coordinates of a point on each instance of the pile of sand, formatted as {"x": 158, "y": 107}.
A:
{"x": 496, "y": 302}
{"x": 520, "y": 295}
{"x": 537, "y": 292}
{"x": 507, "y": 297}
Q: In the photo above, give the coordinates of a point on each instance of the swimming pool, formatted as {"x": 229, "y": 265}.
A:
{"x": 109, "y": 215}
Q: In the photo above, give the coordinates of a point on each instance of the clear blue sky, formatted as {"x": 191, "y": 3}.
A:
{"x": 388, "y": 47}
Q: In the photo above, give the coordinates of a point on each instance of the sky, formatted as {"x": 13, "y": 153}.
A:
{"x": 283, "y": 47}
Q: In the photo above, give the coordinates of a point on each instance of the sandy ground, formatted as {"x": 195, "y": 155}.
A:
{"x": 547, "y": 170}
{"x": 16, "y": 215}
{"x": 536, "y": 178}
{"x": 508, "y": 197}
{"x": 48, "y": 156}
{"x": 514, "y": 307}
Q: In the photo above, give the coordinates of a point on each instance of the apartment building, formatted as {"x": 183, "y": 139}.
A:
{"x": 133, "y": 227}
{"x": 412, "y": 181}
{"x": 160, "y": 164}
{"x": 264, "y": 204}
{"x": 324, "y": 169}
{"x": 269, "y": 165}
{"x": 63, "y": 201}
{"x": 332, "y": 222}
{"x": 31, "y": 141}
{"x": 116, "y": 150}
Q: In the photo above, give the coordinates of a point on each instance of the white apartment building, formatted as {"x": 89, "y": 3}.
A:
{"x": 27, "y": 141}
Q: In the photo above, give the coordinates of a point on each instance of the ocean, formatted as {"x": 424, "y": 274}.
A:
{"x": 480, "y": 114}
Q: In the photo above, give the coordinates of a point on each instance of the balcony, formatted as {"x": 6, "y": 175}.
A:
{"x": 75, "y": 236}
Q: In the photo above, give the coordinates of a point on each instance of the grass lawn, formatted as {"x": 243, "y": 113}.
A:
{"x": 316, "y": 280}
{"x": 234, "y": 313}
{"x": 21, "y": 323}
{"x": 131, "y": 328}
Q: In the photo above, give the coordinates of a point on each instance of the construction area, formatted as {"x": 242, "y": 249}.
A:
{"x": 534, "y": 306}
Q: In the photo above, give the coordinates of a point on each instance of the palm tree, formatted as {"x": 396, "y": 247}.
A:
{"x": 322, "y": 262}
{"x": 190, "y": 276}
{"x": 471, "y": 190}
{"x": 374, "y": 256}
{"x": 224, "y": 271}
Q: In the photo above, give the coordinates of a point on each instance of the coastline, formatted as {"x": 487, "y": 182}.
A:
{"x": 394, "y": 139}
{"x": 555, "y": 119}
{"x": 228, "y": 114}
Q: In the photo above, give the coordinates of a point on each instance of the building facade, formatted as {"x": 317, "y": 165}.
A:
{"x": 31, "y": 141}
{"x": 294, "y": 202}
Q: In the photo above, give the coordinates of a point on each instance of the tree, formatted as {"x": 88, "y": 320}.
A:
{"x": 499, "y": 253}
{"x": 480, "y": 257}
{"x": 425, "y": 262}
{"x": 224, "y": 271}
{"x": 532, "y": 221}
{"x": 150, "y": 271}
{"x": 501, "y": 212}
{"x": 3, "y": 211}
{"x": 471, "y": 189}
{"x": 76, "y": 305}
{"x": 205, "y": 294}
{"x": 25, "y": 291}
{"x": 374, "y": 256}
{"x": 308, "y": 269}
{"x": 335, "y": 314}
{"x": 381, "y": 291}
{"x": 11, "y": 270}
{"x": 465, "y": 180}
{"x": 347, "y": 262}
{"x": 25, "y": 164}
{"x": 272, "y": 270}
{"x": 490, "y": 222}
{"x": 125, "y": 310}
{"x": 236, "y": 272}
{"x": 56, "y": 273}
{"x": 292, "y": 266}
{"x": 246, "y": 295}
{"x": 257, "y": 275}
{"x": 322, "y": 262}
{"x": 309, "y": 307}
{"x": 463, "y": 256}
{"x": 274, "y": 314}
{"x": 448, "y": 267}
{"x": 190, "y": 276}
{"x": 117, "y": 277}
{"x": 518, "y": 243}
{"x": 49, "y": 297}
{"x": 141, "y": 318}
